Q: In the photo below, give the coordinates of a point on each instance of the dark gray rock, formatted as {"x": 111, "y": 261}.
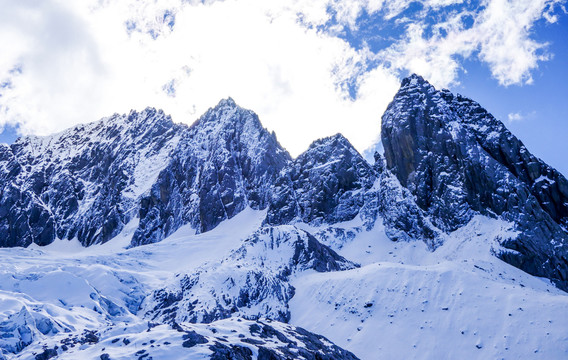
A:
{"x": 46, "y": 354}
{"x": 191, "y": 338}
{"x": 403, "y": 219}
{"x": 457, "y": 160}
{"x": 324, "y": 185}
{"x": 82, "y": 183}
{"x": 236, "y": 352}
{"x": 226, "y": 162}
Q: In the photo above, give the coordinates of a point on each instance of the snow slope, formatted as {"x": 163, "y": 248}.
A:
{"x": 69, "y": 288}
{"x": 405, "y": 301}
{"x": 458, "y": 302}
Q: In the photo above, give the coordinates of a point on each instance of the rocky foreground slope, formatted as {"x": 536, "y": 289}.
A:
{"x": 136, "y": 223}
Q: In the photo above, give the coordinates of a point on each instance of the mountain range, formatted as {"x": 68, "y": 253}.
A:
{"x": 213, "y": 239}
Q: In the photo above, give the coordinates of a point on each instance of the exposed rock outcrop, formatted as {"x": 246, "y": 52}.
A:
{"x": 457, "y": 160}
{"x": 224, "y": 163}
{"x": 324, "y": 185}
{"x": 84, "y": 182}
{"x": 252, "y": 282}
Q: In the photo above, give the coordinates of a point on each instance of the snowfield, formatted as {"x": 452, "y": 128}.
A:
{"x": 459, "y": 302}
{"x": 405, "y": 301}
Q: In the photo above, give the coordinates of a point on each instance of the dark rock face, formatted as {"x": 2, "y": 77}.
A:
{"x": 315, "y": 346}
{"x": 46, "y": 354}
{"x": 237, "y": 352}
{"x": 226, "y": 162}
{"x": 82, "y": 183}
{"x": 325, "y": 184}
{"x": 403, "y": 219}
{"x": 191, "y": 338}
{"x": 89, "y": 181}
{"x": 331, "y": 183}
{"x": 457, "y": 160}
{"x": 251, "y": 282}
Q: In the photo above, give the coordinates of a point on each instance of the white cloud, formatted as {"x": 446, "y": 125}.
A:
{"x": 518, "y": 116}
{"x": 504, "y": 38}
{"x": 81, "y": 60}
{"x": 257, "y": 53}
{"x": 50, "y": 62}
{"x": 514, "y": 117}
{"x": 500, "y": 36}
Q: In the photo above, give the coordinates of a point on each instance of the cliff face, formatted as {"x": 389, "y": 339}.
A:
{"x": 458, "y": 161}
{"x": 225, "y": 162}
{"x": 82, "y": 183}
{"x": 325, "y": 184}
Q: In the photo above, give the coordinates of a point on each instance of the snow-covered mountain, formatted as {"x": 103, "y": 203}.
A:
{"x": 458, "y": 161}
{"x": 134, "y": 237}
{"x": 225, "y": 162}
{"x": 84, "y": 183}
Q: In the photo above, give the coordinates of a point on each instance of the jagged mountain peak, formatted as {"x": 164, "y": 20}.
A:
{"x": 328, "y": 150}
{"x": 150, "y": 116}
{"x": 83, "y": 182}
{"x": 324, "y": 184}
{"x": 225, "y": 162}
{"x": 423, "y": 94}
{"x": 333, "y": 139}
{"x": 459, "y": 161}
{"x": 413, "y": 80}
{"x": 416, "y": 84}
{"x": 228, "y": 127}
{"x": 227, "y": 112}
{"x": 333, "y": 142}
{"x": 116, "y": 131}
{"x": 227, "y": 102}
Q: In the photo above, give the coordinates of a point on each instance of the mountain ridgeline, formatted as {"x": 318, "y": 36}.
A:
{"x": 446, "y": 160}
{"x": 457, "y": 160}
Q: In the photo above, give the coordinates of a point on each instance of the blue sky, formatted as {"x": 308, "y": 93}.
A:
{"x": 543, "y": 122}
{"x": 309, "y": 68}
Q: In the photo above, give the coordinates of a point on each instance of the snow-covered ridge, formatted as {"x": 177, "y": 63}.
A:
{"x": 84, "y": 182}
{"x": 88, "y": 182}
{"x": 458, "y": 161}
{"x": 225, "y": 163}
{"x": 250, "y": 282}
